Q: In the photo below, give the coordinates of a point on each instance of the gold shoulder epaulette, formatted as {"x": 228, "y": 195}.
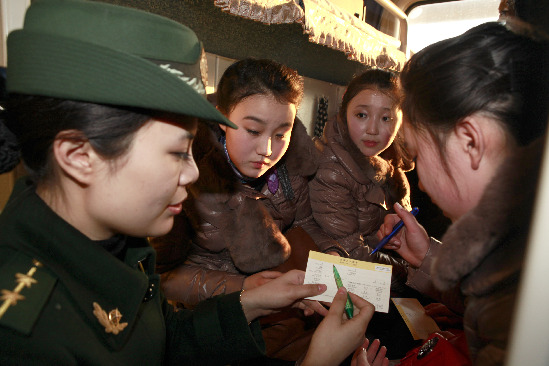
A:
{"x": 25, "y": 287}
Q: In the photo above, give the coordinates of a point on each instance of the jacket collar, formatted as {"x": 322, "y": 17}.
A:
{"x": 496, "y": 228}
{"x": 89, "y": 272}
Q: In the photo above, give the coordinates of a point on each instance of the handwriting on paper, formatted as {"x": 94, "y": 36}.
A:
{"x": 371, "y": 281}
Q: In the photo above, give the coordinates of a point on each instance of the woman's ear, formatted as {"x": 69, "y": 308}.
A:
{"x": 74, "y": 155}
{"x": 470, "y": 134}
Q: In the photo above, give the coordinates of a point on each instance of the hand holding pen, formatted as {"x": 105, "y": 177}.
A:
{"x": 349, "y": 307}
{"x": 393, "y": 232}
{"x": 412, "y": 242}
{"x": 335, "y": 339}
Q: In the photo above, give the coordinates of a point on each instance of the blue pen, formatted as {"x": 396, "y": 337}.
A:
{"x": 396, "y": 228}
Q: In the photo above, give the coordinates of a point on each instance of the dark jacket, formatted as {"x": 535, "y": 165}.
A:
{"x": 482, "y": 257}
{"x": 229, "y": 230}
{"x": 351, "y": 194}
{"x": 64, "y": 285}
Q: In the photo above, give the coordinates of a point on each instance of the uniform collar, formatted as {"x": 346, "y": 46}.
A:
{"x": 89, "y": 273}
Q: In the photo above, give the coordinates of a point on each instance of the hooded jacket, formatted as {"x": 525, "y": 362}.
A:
{"x": 482, "y": 256}
{"x": 229, "y": 230}
{"x": 351, "y": 194}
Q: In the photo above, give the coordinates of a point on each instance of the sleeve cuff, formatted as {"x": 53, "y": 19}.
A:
{"x": 229, "y": 329}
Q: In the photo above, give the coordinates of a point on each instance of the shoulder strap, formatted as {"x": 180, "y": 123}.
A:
{"x": 25, "y": 286}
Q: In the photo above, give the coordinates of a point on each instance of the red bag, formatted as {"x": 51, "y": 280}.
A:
{"x": 449, "y": 349}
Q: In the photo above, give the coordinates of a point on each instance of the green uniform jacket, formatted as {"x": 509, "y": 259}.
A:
{"x": 65, "y": 300}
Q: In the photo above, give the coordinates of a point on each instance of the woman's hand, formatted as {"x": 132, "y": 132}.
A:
{"x": 370, "y": 355}
{"x": 411, "y": 242}
{"x": 336, "y": 336}
{"x": 287, "y": 290}
{"x": 259, "y": 278}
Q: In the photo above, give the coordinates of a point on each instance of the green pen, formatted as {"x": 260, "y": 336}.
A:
{"x": 349, "y": 308}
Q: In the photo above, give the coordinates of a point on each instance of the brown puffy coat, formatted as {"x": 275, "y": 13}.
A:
{"x": 229, "y": 230}
{"x": 351, "y": 194}
{"x": 482, "y": 257}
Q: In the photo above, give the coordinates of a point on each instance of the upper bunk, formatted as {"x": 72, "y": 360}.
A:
{"x": 316, "y": 37}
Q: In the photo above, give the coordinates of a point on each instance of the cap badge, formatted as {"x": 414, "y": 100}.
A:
{"x": 194, "y": 83}
{"x": 204, "y": 68}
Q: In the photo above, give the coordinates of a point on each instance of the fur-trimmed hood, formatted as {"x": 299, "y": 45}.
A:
{"x": 485, "y": 247}
{"x": 365, "y": 170}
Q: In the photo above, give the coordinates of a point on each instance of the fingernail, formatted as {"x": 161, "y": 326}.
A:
{"x": 322, "y": 288}
{"x": 399, "y": 206}
{"x": 341, "y": 290}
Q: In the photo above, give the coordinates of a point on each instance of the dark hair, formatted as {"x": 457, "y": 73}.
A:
{"x": 9, "y": 148}
{"x": 36, "y": 121}
{"x": 385, "y": 82}
{"x": 488, "y": 69}
{"x": 258, "y": 76}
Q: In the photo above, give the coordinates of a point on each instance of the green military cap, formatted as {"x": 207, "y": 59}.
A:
{"x": 102, "y": 53}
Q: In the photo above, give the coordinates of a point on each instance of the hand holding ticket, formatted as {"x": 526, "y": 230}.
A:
{"x": 371, "y": 281}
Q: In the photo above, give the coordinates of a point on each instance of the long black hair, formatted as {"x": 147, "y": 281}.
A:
{"x": 489, "y": 69}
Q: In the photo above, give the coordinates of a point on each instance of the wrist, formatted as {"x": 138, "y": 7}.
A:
{"x": 251, "y": 311}
{"x": 243, "y": 308}
{"x": 423, "y": 259}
